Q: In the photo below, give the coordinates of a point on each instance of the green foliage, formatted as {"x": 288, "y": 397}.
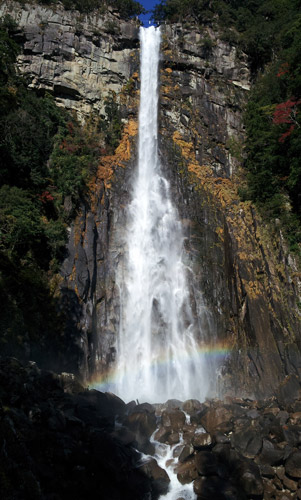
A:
{"x": 27, "y": 132}
{"x": 126, "y": 8}
{"x": 112, "y": 125}
{"x": 274, "y": 137}
{"x": 20, "y": 220}
{"x": 74, "y": 158}
{"x": 8, "y": 50}
{"x": 46, "y": 160}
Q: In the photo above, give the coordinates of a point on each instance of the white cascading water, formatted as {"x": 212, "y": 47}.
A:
{"x": 158, "y": 348}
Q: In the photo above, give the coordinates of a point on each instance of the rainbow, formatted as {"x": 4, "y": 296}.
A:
{"x": 106, "y": 380}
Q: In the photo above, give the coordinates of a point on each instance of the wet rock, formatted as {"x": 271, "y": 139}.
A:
{"x": 191, "y": 406}
{"x": 173, "y": 404}
{"x": 202, "y": 440}
{"x": 269, "y": 489}
{"x": 144, "y": 408}
{"x": 293, "y": 465}
{"x": 217, "y": 418}
{"x": 162, "y": 434}
{"x": 186, "y": 452}
{"x": 186, "y": 471}
{"x": 142, "y": 424}
{"x": 196, "y": 417}
{"x": 158, "y": 476}
{"x": 173, "y": 438}
{"x": 175, "y": 419}
{"x": 253, "y": 414}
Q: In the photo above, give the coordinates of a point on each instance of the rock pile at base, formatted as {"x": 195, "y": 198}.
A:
{"x": 238, "y": 449}
{"x": 59, "y": 441}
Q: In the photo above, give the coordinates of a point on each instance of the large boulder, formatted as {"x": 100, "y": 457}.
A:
{"x": 174, "y": 419}
{"x": 187, "y": 471}
{"x": 248, "y": 441}
{"x": 217, "y": 418}
{"x": 270, "y": 454}
{"x": 158, "y": 476}
{"x": 191, "y": 406}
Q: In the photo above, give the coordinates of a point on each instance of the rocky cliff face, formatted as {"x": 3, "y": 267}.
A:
{"x": 249, "y": 281}
{"x": 242, "y": 274}
{"x": 77, "y": 58}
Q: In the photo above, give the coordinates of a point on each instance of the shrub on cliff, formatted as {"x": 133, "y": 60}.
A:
{"x": 126, "y": 8}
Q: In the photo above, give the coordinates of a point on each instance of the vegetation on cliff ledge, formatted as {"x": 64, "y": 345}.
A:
{"x": 47, "y": 160}
{"x": 125, "y": 8}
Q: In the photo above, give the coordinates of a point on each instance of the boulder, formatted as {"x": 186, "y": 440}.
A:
{"x": 173, "y": 438}
{"x": 142, "y": 422}
{"x": 202, "y": 440}
{"x": 175, "y": 419}
{"x": 191, "y": 406}
{"x": 293, "y": 465}
{"x": 158, "y": 476}
{"x": 248, "y": 441}
{"x": 186, "y": 452}
{"x": 162, "y": 434}
{"x": 187, "y": 472}
{"x": 270, "y": 454}
{"x": 217, "y": 418}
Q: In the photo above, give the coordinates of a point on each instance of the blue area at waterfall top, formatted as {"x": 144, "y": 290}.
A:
{"x": 148, "y": 5}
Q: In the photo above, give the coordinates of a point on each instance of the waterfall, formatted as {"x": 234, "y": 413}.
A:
{"x": 158, "y": 350}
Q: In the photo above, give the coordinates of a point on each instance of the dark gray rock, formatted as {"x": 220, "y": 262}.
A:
{"x": 270, "y": 454}
{"x": 293, "y": 465}
{"x": 248, "y": 441}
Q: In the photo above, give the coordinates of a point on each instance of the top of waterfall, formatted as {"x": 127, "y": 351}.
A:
{"x": 145, "y": 18}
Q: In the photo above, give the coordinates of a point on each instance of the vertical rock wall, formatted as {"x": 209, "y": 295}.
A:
{"x": 249, "y": 281}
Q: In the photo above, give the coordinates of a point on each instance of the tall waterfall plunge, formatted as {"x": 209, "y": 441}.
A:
{"x": 158, "y": 354}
